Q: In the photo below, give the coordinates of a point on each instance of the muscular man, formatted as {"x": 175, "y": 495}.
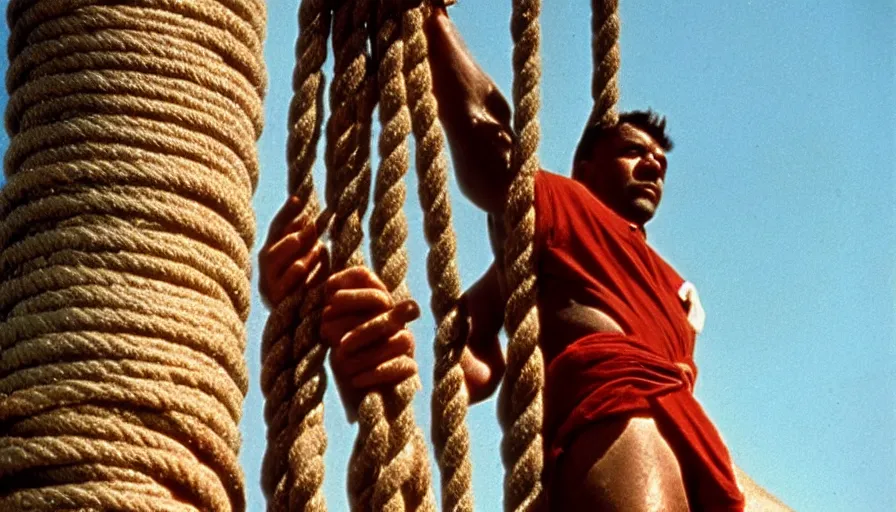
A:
{"x": 622, "y": 429}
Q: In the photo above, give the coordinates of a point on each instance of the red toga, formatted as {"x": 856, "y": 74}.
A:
{"x": 606, "y": 263}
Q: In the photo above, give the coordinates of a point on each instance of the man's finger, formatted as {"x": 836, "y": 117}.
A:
{"x": 399, "y": 345}
{"x": 293, "y": 246}
{"x": 390, "y": 373}
{"x": 356, "y": 301}
{"x": 407, "y": 310}
{"x": 298, "y": 274}
{"x": 322, "y": 270}
{"x": 333, "y": 330}
{"x": 354, "y": 277}
{"x": 382, "y": 327}
{"x": 287, "y": 214}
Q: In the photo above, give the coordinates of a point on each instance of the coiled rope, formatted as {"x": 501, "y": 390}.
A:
{"x": 125, "y": 230}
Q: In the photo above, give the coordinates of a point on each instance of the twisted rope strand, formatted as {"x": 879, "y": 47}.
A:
{"x": 407, "y": 467}
{"x": 521, "y": 395}
{"x": 605, "y": 53}
{"x": 352, "y": 99}
{"x": 450, "y": 399}
{"x": 293, "y": 376}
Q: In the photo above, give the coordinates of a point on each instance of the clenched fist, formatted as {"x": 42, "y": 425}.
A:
{"x": 292, "y": 257}
{"x": 366, "y": 330}
{"x": 371, "y": 347}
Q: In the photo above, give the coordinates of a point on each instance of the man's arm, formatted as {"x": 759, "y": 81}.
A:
{"x": 483, "y": 360}
{"x": 475, "y": 115}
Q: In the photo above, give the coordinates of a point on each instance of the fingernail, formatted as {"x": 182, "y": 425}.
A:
{"x": 408, "y": 308}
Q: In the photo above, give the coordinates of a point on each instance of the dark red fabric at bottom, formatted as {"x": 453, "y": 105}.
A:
{"x": 606, "y": 375}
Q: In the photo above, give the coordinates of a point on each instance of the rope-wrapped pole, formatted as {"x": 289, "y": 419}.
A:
{"x": 450, "y": 400}
{"x": 293, "y": 377}
{"x": 521, "y": 397}
{"x": 605, "y": 53}
{"x": 404, "y": 482}
{"x": 125, "y": 230}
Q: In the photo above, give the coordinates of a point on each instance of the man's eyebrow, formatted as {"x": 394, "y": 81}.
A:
{"x": 634, "y": 139}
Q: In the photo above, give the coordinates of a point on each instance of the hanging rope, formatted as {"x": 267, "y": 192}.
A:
{"x": 450, "y": 399}
{"x": 352, "y": 98}
{"x": 605, "y": 52}
{"x": 125, "y": 230}
{"x": 388, "y": 234}
{"x": 389, "y": 468}
{"x": 293, "y": 378}
{"x": 389, "y": 452}
{"x": 521, "y": 400}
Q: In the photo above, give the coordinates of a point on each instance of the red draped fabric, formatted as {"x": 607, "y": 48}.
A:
{"x": 605, "y": 262}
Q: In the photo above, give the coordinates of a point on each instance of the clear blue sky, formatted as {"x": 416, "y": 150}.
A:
{"x": 779, "y": 206}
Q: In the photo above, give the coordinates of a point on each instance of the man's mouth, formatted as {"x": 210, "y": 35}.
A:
{"x": 649, "y": 191}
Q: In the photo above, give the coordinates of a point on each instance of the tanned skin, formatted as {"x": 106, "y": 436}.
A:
{"x": 364, "y": 327}
{"x": 622, "y": 464}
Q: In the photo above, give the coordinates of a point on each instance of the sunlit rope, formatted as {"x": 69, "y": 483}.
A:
{"x": 405, "y": 476}
{"x": 450, "y": 399}
{"x": 605, "y": 53}
{"x": 293, "y": 378}
{"x": 125, "y": 229}
{"x": 521, "y": 398}
{"x": 389, "y": 468}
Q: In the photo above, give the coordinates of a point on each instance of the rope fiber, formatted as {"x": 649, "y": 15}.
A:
{"x": 389, "y": 468}
{"x": 125, "y": 230}
{"x": 521, "y": 396}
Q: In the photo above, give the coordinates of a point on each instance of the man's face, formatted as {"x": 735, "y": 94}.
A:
{"x": 626, "y": 172}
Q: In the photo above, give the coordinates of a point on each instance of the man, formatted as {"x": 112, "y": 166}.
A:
{"x": 622, "y": 430}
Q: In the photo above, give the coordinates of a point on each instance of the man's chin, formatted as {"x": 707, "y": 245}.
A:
{"x": 642, "y": 210}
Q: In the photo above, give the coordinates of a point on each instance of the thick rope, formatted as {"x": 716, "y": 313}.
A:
{"x": 450, "y": 399}
{"x": 406, "y": 475}
{"x": 352, "y": 98}
{"x": 521, "y": 400}
{"x": 605, "y": 52}
{"x": 293, "y": 377}
{"x": 125, "y": 230}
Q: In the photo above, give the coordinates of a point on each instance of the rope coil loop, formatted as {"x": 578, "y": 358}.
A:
{"x": 125, "y": 231}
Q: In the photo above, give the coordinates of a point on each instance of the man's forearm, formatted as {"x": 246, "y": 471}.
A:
{"x": 475, "y": 116}
{"x": 483, "y": 360}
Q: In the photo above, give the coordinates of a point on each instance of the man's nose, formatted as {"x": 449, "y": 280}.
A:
{"x": 650, "y": 168}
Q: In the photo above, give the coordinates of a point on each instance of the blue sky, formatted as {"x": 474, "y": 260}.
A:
{"x": 779, "y": 206}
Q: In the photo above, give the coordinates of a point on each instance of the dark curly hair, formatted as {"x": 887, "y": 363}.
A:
{"x": 652, "y": 123}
